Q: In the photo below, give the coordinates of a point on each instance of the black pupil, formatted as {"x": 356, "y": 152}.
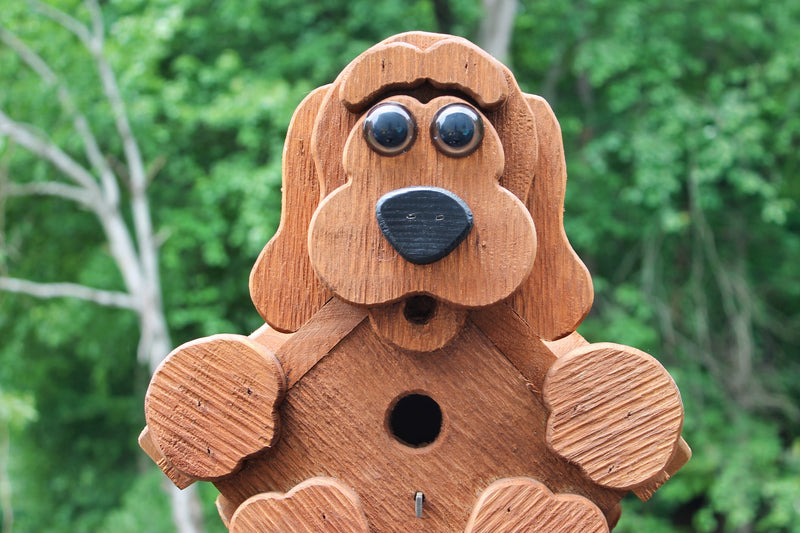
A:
{"x": 456, "y": 129}
{"x": 390, "y": 129}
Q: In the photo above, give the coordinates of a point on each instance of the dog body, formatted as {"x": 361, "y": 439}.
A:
{"x": 423, "y": 278}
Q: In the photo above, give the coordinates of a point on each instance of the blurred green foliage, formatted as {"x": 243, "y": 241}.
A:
{"x": 680, "y": 119}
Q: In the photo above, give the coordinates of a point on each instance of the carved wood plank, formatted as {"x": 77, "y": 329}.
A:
{"x": 214, "y": 402}
{"x": 523, "y": 505}
{"x": 556, "y": 297}
{"x": 365, "y": 270}
{"x": 180, "y": 479}
{"x": 335, "y": 423}
{"x": 283, "y": 286}
{"x": 682, "y": 451}
{"x": 452, "y": 63}
{"x": 322, "y": 505}
{"x": 420, "y": 330}
{"x": 681, "y": 456}
{"x": 271, "y": 339}
{"x": 615, "y": 412}
{"x": 514, "y": 338}
{"x": 308, "y": 346}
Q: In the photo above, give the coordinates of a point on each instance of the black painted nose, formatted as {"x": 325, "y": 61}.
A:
{"x": 423, "y": 224}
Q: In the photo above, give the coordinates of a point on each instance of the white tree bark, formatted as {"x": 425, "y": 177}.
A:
{"x": 5, "y": 482}
{"x": 496, "y": 28}
{"x": 96, "y": 187}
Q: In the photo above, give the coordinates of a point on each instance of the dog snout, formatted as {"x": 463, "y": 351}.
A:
{"x": 423, "y": 224}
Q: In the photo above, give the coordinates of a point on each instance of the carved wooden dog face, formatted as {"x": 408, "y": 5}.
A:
{"x": 426, "y": 183}
{"x": 347, "y": 187}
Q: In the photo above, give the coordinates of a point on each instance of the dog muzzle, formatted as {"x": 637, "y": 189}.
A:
{"x": 423, "y": 224}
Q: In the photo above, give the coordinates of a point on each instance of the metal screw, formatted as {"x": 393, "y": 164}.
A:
{"x": 419, "y": 497}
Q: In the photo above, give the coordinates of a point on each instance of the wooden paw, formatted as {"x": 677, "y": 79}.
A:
{"x": 322, "y": 505}
{"x": 614, "y": 411}
{"x": 524, "y": 505}
{"x": 214, "y": 402}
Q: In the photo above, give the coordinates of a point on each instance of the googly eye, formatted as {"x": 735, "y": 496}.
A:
{"x": 389, "y": 128}
{"x": 457, "y": 130}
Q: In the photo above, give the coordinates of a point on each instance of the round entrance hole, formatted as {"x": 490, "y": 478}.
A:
{"x": 415, "y": 420}
{"x": 419, "y": 309}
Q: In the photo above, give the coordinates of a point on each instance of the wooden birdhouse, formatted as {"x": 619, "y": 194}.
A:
{"x": 419, "y": 369}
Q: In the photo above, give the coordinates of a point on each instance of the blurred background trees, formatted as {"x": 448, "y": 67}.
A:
{"x": 680, "y": 120}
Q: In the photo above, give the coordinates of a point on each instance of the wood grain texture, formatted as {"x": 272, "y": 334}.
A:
{"x": 564, "y": 345}
{"x": 146, "y": 443}
{"x": 322, "y": 505}
{"x": 308, "y": 346}
{"x": 523, "y": 505}
{"x": 519, "y": 391}
{"x": 283, "y": 286}
{"x": 682, "y": 452}
{"x": 515, "y": 339}
{"x": 450, "y": 63}
{"x": 556, "y": 297}
{"x": 270, "y": 338}
{"x": 334, "y": 424}
{"x": 214, "y": 402}
{"x": 615, "y": 412}
{"x": 365, "y": 270}
{"x": 392, "y": 326}
{"x": 680, "y": 457}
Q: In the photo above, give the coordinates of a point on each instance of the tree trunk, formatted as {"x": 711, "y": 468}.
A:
{"x": 496, "y": 28}
{"x": 5, "y": 483}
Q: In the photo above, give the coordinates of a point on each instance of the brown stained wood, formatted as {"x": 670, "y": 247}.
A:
{"x": 494, "y": 259}
{"x": 558, "y": 294}
{"x": 225, "y": 509}
{"x": 321, "y": 505}
{"x": 514, "y": 338}
{"x": 523, "y": 505}
{"x": 516, "y": 126}
{"x": 271, "y": 339}
{"x": 420, "y": 335}
{"x": 146, "y": 443}
{"x": 615, "y": 412}
{"x": 551, "y": 432}
{"x": 335, "y": 423}
{"x": 566, "y": 344}
{"x": 213, "y": 402}
{"x": 682, "y": 452}
{"x": 681, "y": 456}
{"x": 451, "y": 63}
{"x": 283, "y": 286}
{"x": 308, "y": 346}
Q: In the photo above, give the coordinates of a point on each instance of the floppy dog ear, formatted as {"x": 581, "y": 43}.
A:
{"x": 283, "y": 286}
{"x": 558, "y": 294}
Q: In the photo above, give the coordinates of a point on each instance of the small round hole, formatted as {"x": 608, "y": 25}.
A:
{"x": 415, "y": 420}
{"x": 420, "y": 309}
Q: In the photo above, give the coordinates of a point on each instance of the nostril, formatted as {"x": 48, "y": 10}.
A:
{"x": 420, "y": 309}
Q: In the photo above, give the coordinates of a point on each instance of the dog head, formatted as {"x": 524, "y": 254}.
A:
{"x": 423, "y": 176}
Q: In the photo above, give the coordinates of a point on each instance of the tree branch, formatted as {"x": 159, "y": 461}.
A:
{"x": 133, "y": 158}
{"x": 121, "y": 300}
{"x": 48, "y": 151}
{"x": 50, "y": 188}
{"x": 70, "y": 24}
{"x": 79, "y": 122}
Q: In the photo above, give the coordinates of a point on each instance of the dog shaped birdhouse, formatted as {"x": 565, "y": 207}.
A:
{"x": 419, "y": 368}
